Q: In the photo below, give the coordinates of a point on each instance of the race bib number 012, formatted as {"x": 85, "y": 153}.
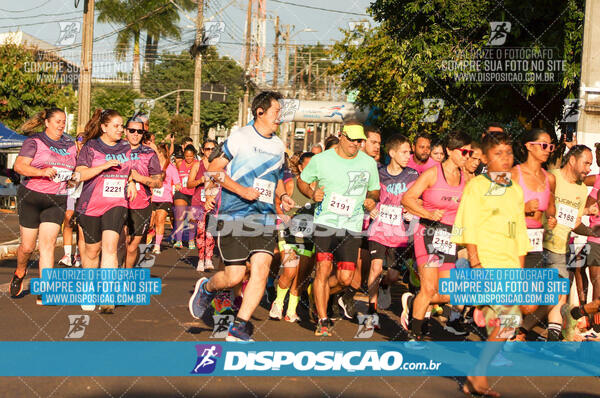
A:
{"x": 114, "y": 188}
{"x": 566, "y": 215}
{"x": 266, "y": 190}
{"x": 341, "y": 205}
{"x": 536, "y": 237}
{"x": 441, "y": 242}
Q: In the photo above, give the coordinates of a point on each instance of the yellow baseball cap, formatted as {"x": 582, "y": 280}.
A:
{"x": 355, "y": 132}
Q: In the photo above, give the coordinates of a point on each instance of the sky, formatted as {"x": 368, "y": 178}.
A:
{"x": 43, "y": 19}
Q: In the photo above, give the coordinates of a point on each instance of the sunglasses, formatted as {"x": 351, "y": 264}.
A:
{"x": 351, "y": 140}
{"x": 210, "y": 148}
{"x": 465, "y": 152}
{"x": 544, "y": 145}
{"x": 136, "y": 131}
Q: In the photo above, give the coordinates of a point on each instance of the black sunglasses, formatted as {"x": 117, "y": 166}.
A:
{"x": 351, "y": 140}
{"x": 137, "y": 131}
{"x": 209, "y": 148}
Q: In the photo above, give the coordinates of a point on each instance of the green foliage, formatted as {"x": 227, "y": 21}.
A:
{"x": 114, "y": 96}
{"x": 26, "y": 90}
{"x": 179, "y": 126}
{"x": 400, "y": 62}
{"x": 173, "y": 72}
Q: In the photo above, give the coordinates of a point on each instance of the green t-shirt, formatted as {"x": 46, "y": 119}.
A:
{"x": 346, "y": 183}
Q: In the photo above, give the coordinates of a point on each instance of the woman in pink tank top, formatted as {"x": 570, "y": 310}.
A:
{"x": 46, "y": 160}
{"x": 197, "y": 181}
{"x": 593, "y": 257}
{"x": 183, "y": 200}
{"x": 435, "y": 197}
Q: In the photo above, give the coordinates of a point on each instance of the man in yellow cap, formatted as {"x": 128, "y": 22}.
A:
{"x": 347, "y": 186}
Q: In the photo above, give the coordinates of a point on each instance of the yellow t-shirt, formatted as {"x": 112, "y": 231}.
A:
{"x": 570, "y": 204}
{"x": 492, "y": 217}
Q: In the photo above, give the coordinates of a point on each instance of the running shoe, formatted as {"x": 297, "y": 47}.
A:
{"x": 88, "y": 307}
{"x": 208, "y": 264}
{"x": 77, "y": 262}
{"x": 437, "y": 310}
{"x": 178, "y": 244}
{"x": 292, "y": 318}
{"x": 200, "y": 266}
{"x": 156, "y": 249}
{"x": 414, "y": 342}
{"x": 456, "y": 328}
{"x": 16, "y": 285}
{"x": 201, "y": 299}
{"x": 384, "y": 298}
{"x": 346, "y": 302}
{"x": 38, "y": 300}
{"x": 65, "y": 260}
{"x": 324, "y": 328}
{"x": 407, "y": 300}
{"x": 590, "y": 335}
{"x": 192, "y": 245}
{"x": 276, "y": 312}
{"x": 240, "y": 331}
{"x": 107, "y": 309}
{"x": 500, "y": 361}
{"x": 222, "y": 303}
{"x": 333, "y": 308}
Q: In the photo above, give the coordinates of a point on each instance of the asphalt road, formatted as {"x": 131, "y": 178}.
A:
{"x": 167, "y": 319}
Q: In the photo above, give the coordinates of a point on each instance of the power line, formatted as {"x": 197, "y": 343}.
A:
{"x": 319, "y": 8}
{"x": 30, "y": 9}
{"x": 40, "y": 23}
{"x": 43, "y": 15}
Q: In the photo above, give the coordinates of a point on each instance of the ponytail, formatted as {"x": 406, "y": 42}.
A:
{"x": 93, "y": 127}
{"x": 38, "y": 120}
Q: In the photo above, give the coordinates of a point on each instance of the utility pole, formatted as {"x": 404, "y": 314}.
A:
{"x": 247, "y": 64}
{"x": 286, "y": 78}
{"x": 276, "y": 54}
{"x": 195, "y": 127}
{"x": 85, "y": 73}
{"x": 308, "y": 90}
{"x": 177, "y": 102}
{"x": 295, "y": 68}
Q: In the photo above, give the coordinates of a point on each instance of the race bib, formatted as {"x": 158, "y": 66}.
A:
{"x": 203, "y": 195}
{"x": 301, "y": 226}
{"x": 341, "y": 205}
{"x": 266, "y": 189}
{"x": 62, "y": 174}
{"x": 158, "y": 191}
{"x": 114, "y": 188}
{"x": 390, "y": 215}
{"x": 536, "y": 237}
{"x": 184, "y": 182}
{"x": 566, "y": 215}
{"x": 138, "y": 186}
{"x": 441, "y": 242}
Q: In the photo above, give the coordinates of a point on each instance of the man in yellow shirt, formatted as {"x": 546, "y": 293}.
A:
{"x": 491, "y": 223}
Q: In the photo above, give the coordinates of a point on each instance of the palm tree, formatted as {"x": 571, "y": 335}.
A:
{"x": 158, "y": 17}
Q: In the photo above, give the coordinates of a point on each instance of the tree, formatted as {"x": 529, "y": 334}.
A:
{"x": 174, "y": 72}
{"x": 28, "y": 86}
{"x": 405, "y": 60}
{"x": 158, "y": 17}
{"x": 114, "y": 96}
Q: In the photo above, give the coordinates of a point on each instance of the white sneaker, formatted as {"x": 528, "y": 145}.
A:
{"x": 156, "y": 249}
{"x": 200, "y": 266}
{"x": 384, "y": 298}
{"x": 292, "y": 318}
{"x": 276, "y": 312}
{"x": 66, "y": 261}
{"x": 88, "y": 307}
{"x": 208, "y": 264}
{"x": 77, "y": 262}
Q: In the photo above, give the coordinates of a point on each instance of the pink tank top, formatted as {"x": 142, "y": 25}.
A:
{"x": 543, "y": 197}
{"x": 184, "y": 172}
{"x": 595, "y": 220}
{"x": 442, "y": 196}
{"x": 199, "y": 196}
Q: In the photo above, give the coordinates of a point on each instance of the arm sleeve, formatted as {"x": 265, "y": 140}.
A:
{"x": 29, "y": 148}
{"x": 154, "y": 165}
{"x": 85, "y": 157}
{"x": 310, "y": 173}
{"x": 373, "y": 177}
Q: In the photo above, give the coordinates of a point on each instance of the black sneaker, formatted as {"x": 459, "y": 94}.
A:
{"x": 346, "y": 302}
{"x": 16, "y": 285}
{"x": 333, "y": 309}
{"x": 456, "y": 328}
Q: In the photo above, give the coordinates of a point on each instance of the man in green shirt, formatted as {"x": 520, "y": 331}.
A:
{"x": 347, "y": 186}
